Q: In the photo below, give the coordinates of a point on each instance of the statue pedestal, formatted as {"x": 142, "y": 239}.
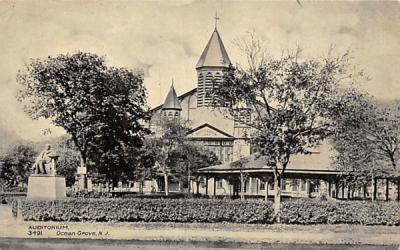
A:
{"x": 46, "y": 187}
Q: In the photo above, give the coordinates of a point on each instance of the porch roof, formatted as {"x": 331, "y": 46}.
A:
{"x": 319, "y": 162}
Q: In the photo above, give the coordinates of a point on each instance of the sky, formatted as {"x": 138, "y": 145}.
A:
{"x": 165, "y": 40}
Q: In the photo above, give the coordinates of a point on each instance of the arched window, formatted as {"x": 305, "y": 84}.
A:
{"x": 200, "y": 90}
{"x": 208, "y": 87}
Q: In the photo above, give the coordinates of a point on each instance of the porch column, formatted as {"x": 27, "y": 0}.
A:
{"x": 398, "y": 189}
{"x": 348, "y": 192}
{"x": 250, "y": 184}
{"x": 308, "y": 188}
{"x": 206, "y": 185}
{"x": 257, "y": 185}
{"x": 197, "y": 187}
{"x": 336, "y": 189}
{"x": 215, "y": 186}
{"x": 266, "y": 190}
{"x": 342, "y": 191}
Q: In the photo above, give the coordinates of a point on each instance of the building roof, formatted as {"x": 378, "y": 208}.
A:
{"x": 320, "y": 160}
{"x": 214, "y": 54}
{"x": 218, "y": 134}
{"x": 180, "y": 98}
{"x": 172, "y": 102}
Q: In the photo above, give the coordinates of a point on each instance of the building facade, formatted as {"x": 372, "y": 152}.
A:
{"x": 212, "y": 127}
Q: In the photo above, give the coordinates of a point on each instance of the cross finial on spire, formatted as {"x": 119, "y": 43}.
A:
{"x": 216, "y": 19}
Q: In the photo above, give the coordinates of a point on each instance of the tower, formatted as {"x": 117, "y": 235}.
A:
{"x": 212, "y": 62}
{"x": 171, "y": 108}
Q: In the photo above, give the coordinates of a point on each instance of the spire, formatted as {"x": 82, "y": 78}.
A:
{"x": 214, "y": 55}
{"x": 171, "y": 102}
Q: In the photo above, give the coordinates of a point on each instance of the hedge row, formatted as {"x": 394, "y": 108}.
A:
{"x": 340, "y": 212}
{"x": 211, "y": 211}
{"x": 149, "y": 210}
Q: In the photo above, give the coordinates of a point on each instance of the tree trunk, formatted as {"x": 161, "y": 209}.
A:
{"x": 189, "y": 180}
{"x": 329, "y": 189}
{"x": 373, "y": 195}
{"x": 277, "y": 197}
{"x": 387, "y": 189}
{"x": 364, "y": 191}
{"x": 242, "y": 187}
{"x": 166, "y": 184}
{"x": 83, "y": 176}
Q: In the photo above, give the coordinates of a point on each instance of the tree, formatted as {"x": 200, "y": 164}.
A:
{"x": 291, "y": 100}
{"x": 187, "y": 158}
{"x": 15, "y": 165}
{"x": 164, "y": 145}
{"x": 99, "y": 106}
{"x": 171, "y": 154}
{"x": 367, "y": 140}
{"x": 68, "y": 158}
{"x": 146, "y": 161}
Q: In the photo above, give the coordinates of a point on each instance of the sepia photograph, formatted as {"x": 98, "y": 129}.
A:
{"x": 199, "y": 124}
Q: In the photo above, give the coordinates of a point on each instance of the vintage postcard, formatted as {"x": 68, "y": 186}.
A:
{"x": 191, "y": 124}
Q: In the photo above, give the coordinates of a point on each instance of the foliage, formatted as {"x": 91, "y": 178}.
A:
{"x": 302, "y": 211}
{"x": 367, "y": 139}
{"x": 99, "y": 106}
{"x": 290, "y": 100}
{"x": 148, "y": 210}
{"x": 15, "y": 165}
{"x": 171, "y": 154}
{"x": 344, "y": 212}
{"x": 69, "y": 158}
{"x": 162, "y": 147}
{"x": 188, "y": 158}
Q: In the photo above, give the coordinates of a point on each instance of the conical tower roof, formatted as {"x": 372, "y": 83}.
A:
{"x": 171, "y": 102}
{"x": 214, "y": 55}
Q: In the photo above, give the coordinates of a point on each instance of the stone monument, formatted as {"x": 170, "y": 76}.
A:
{"x": 44, "y": 183}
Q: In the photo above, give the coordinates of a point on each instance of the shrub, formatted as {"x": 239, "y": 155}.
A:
{"x": 302, "y": 211}
{"x": 307, "y": 211}
{"x": 148, "y": 210}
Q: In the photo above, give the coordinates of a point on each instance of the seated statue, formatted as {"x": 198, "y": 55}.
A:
{"x": 45, "y": 158}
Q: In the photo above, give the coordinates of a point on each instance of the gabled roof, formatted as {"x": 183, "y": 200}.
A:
{"x": 172, "y": 102}
{"x": 214, "y": 54}
{"x": 217, "y": 132}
